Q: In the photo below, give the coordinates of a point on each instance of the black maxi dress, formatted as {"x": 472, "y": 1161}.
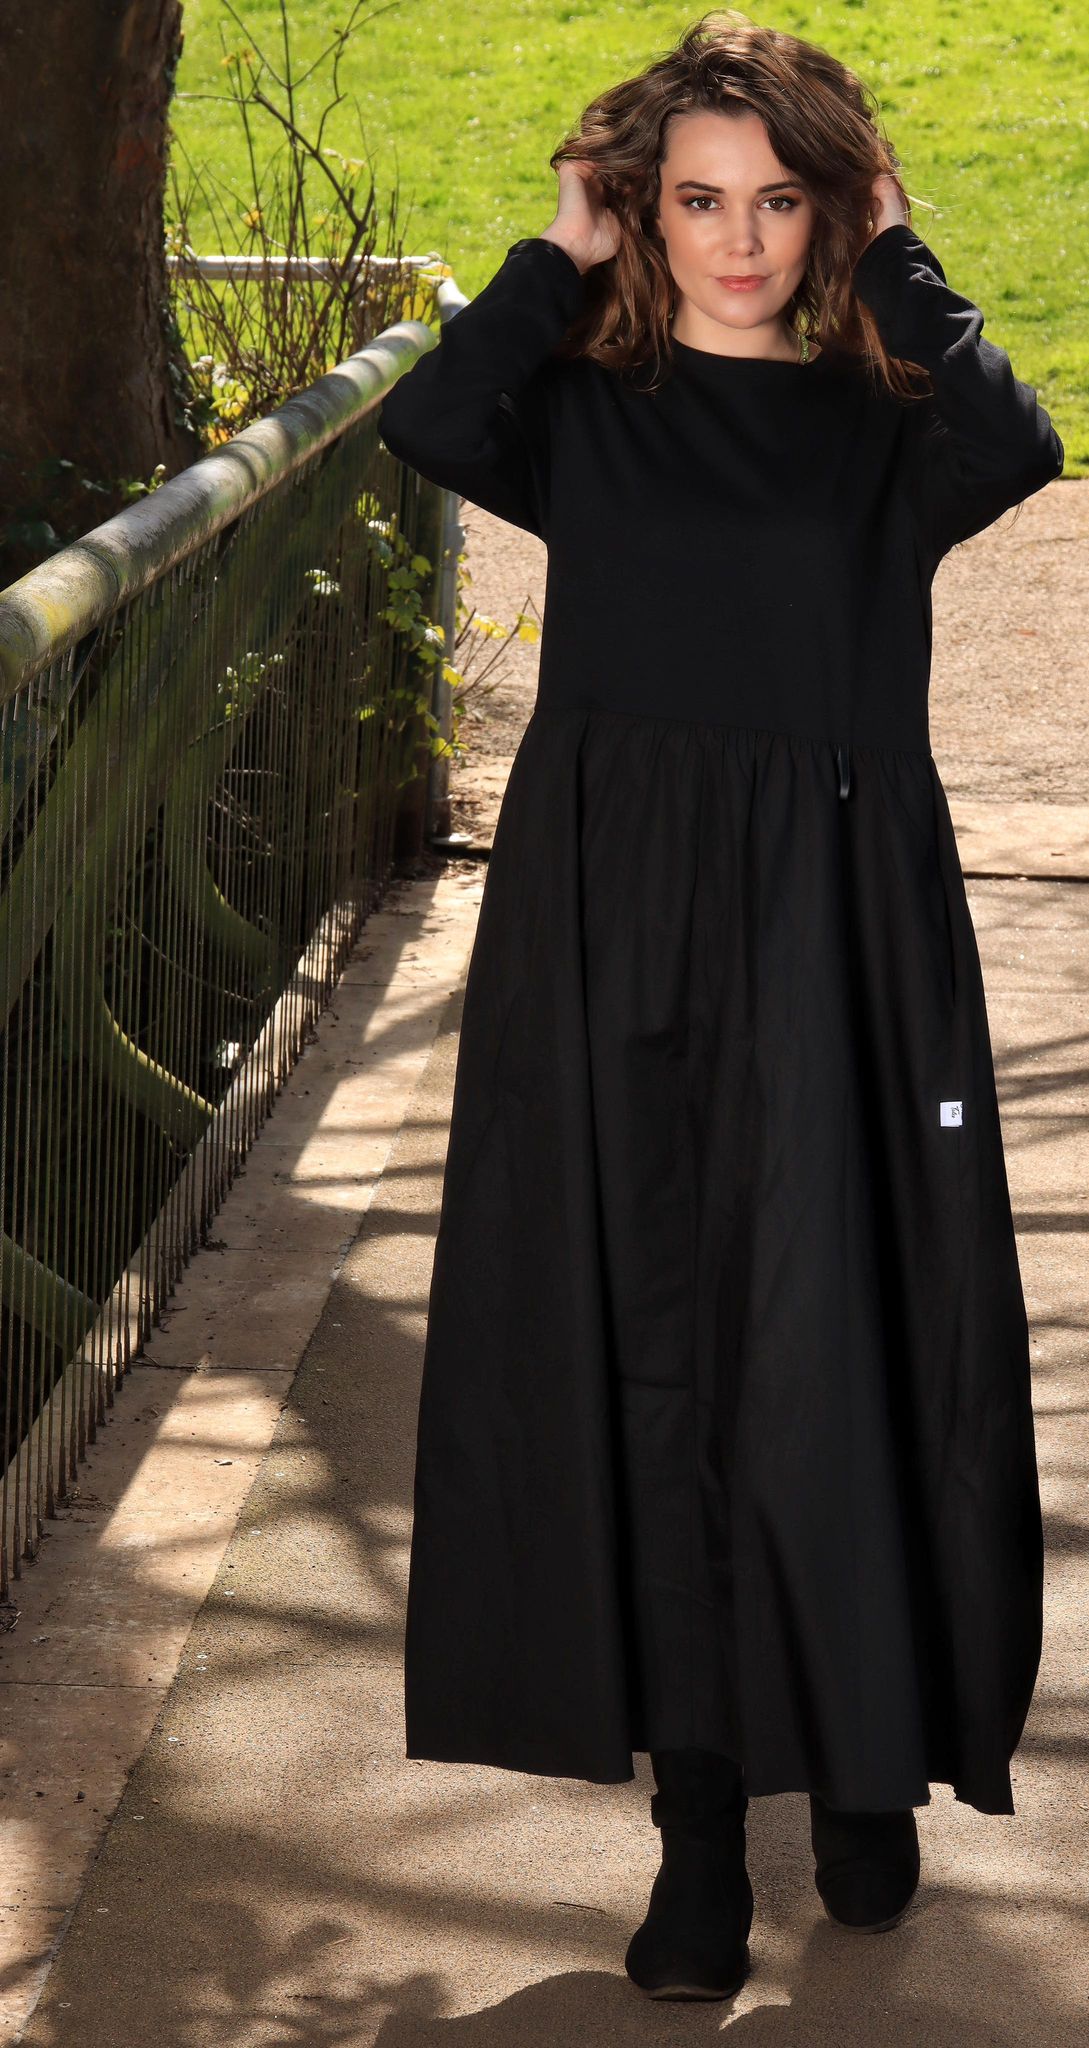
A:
{"x": 725, "y": 1434}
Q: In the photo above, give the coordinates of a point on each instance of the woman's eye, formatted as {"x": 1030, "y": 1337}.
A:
{"x": 777, "y": 199}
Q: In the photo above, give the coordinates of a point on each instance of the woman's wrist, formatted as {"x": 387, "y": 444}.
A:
{"x": 562, "y": 241}
{"x": 889, "y": 220}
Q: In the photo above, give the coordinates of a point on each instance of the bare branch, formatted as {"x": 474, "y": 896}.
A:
{"x": 267, "y": 332}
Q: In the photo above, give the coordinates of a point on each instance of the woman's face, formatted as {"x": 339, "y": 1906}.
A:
{"x": 730, "y": 209}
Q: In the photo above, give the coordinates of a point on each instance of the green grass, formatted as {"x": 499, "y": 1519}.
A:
{"x": 984, "y": 102}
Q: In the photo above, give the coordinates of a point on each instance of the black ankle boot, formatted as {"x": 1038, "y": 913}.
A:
{"x": 694, "y": 1940}
{"x": 867, "y": 1864}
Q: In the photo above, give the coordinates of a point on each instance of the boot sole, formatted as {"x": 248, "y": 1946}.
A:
{"x": 682, "y": 1989}
{"x": 866, "y": 1926}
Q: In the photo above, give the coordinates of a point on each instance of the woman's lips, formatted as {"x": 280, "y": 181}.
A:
{"x": 741, "y": 284}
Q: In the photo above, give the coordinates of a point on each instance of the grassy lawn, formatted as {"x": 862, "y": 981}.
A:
{"x": 985, "y": 103}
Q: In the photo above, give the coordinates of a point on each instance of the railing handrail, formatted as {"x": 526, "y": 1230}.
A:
{"x": 57, "y": 603}
{"x": 448, "y": 295}
{"x": 211, "y": 772}
{"x": 237, "y": 265}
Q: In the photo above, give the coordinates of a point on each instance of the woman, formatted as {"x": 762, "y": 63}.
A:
{"x": 725, "y": 1441}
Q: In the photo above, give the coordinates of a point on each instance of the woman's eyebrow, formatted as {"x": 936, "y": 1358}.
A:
{"x": 697, "y": 185}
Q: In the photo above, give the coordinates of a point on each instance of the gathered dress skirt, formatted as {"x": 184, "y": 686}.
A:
{"x": 725, "y": 1433}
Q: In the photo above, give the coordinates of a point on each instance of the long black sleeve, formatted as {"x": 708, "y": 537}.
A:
{"x": 982, "y": 442}
{"x": 469, "y": 414}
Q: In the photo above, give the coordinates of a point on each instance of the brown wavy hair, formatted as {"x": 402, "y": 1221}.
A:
{"x": 823, "y": 123}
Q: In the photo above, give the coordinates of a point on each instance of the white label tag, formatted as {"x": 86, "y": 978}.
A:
{"x": 951, "y": 1113}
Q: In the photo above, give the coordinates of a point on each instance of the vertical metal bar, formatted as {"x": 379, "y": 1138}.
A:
{"x": 451, "y": 542}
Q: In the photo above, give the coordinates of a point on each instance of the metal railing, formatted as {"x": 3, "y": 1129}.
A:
{"x": 206, "y": 729}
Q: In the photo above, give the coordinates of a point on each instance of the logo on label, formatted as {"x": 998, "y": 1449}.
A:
{"x": 952, "y": 1113}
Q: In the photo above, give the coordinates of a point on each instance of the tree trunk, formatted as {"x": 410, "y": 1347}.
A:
{"x": 88, "y": 369}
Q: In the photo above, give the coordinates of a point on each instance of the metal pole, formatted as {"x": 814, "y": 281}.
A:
{"x": 438, "y": 791}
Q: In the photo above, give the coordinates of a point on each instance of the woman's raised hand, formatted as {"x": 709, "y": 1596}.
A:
{"x": 887, "y": 203}
{"x": 584, "y": 225}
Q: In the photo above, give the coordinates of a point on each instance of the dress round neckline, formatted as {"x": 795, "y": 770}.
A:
{"x": 713, "y": 355}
